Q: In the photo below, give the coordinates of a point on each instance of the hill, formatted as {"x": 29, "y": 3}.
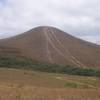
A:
{"x": 51, "y": 45}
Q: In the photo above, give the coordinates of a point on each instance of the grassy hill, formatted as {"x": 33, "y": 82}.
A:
{"x": 51, "y": 45}
{"x": 46, "y": 63}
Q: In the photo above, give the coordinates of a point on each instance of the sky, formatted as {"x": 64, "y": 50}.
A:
{"x": 80, "y": 18}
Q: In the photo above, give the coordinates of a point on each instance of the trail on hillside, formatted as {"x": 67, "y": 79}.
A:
{"x": 73, "y": 59}
{"x": 52, "y": 39}
{"x": 47, "y": 46}
{"x": 49, "y": 39}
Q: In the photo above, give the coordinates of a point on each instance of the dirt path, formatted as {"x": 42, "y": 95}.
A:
{"x": 51, "y": 42}
{"x": 47, "y": 47}
{"x": 73, "y": 59}
{"x": 80, "y": 83}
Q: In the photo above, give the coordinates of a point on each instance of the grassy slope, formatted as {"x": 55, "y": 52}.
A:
{"x": 30, "y": 85}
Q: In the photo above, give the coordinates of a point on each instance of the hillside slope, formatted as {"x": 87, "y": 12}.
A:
{"x": 48, "y": 44}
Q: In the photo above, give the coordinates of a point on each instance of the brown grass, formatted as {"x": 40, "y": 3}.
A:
{"x": 17, "y": 92}
{"x": 28, "y": 85}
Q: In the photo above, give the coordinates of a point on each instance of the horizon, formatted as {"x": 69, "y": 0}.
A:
{"x": 51, "y": 27}
{"x": 18, "y": 16}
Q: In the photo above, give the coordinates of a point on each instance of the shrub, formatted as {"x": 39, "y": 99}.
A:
{"x": 23, "y": 63}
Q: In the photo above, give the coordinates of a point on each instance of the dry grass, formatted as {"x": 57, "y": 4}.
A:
{"x": 28, "y": 85}
{"x": 17, "y": 92}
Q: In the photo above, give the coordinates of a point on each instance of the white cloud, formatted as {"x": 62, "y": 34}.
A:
{"x": 80, "y": 17}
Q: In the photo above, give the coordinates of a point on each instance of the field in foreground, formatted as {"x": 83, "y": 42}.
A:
{"x": 29, "y": 85}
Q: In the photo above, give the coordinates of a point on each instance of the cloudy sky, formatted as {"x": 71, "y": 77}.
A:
{"x": 80, "y": 18}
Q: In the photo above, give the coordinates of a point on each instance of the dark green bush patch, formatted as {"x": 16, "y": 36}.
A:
{"x": 23, "y": 63}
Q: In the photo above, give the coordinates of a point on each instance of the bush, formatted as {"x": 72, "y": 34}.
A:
{"x": 22, "y": 63}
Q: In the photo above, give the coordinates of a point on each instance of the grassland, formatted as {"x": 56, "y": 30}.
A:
{"x": 30, "y": 85}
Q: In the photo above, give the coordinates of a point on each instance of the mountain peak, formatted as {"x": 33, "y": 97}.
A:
{"x": 42, "y": 27}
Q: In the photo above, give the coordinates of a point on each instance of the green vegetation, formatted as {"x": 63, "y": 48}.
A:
{"x": 71, "y": 85}
{"x": 22, "y": 63}
{"x": 76, "y": 84}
